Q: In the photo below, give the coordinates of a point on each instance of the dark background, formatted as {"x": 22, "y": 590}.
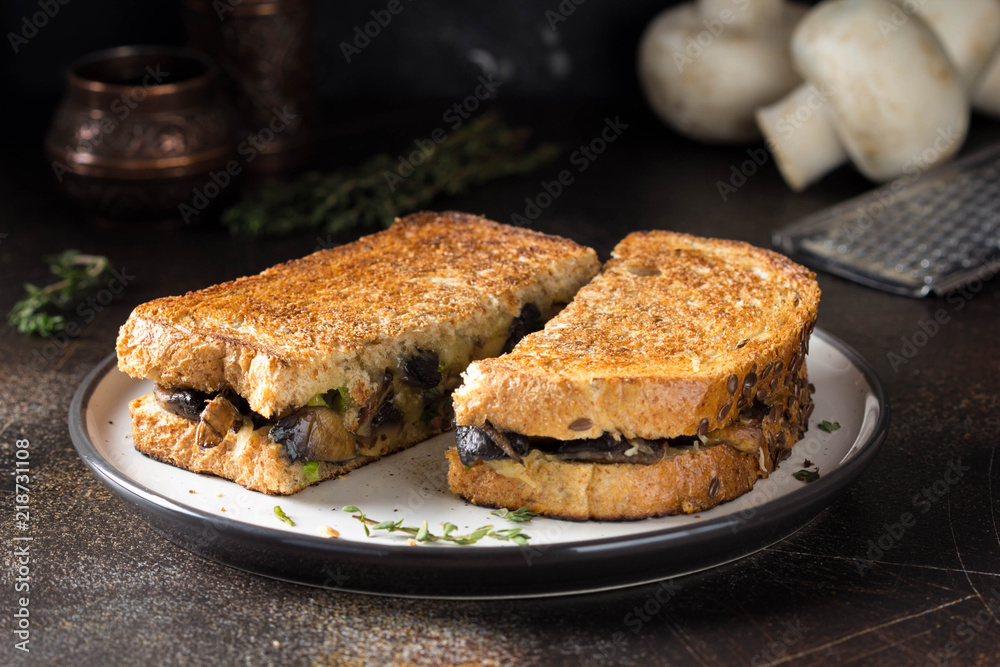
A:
{"x": 110, "y": 590}
{"x": 428, "y": 50}
{"x": 424, "y": 51}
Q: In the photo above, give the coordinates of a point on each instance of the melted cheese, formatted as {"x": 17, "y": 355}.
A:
{"x": 512, "y": 469}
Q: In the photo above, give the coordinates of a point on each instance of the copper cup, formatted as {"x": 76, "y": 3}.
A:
{"x": 265, "y": 51}
{"x": 142, "y": 128}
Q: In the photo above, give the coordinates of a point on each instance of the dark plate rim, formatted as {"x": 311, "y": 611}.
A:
{"x": 771, "y": 521}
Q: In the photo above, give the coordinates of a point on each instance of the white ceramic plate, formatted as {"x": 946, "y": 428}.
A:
{"x": 223, "y": 521}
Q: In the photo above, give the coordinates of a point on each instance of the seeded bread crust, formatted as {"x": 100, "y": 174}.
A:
{"x": 675, "y": 330}
{"x": 686, "y": 483}
{"x": 303, "y": 327}
{"x": 255, "y": 462}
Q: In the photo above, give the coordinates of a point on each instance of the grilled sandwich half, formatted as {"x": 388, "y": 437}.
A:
{"x": 320, "y": 365}
{"x": 671, "y": 383}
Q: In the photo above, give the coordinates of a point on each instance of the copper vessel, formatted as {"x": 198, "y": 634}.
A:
{"x": 265, "y": 50}
{"x": 142, "y": 132}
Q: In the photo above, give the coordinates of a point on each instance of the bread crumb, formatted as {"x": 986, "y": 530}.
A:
{"x": 275, "y": 643}
{"x": 218, "y": 495}
{"x": 223, "y": 509}
{"x": 412, "y": 543}
{"x": 192, "y": 491}
{"x": 326, "y": 531}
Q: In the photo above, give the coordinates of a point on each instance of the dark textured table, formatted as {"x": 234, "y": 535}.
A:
{"x": 106, "y": 589}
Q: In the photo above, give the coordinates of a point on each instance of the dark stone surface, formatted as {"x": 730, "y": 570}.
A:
{"x": 106, "y": 589}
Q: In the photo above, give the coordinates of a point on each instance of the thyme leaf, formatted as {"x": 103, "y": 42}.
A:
{"x": 829, "y": 427}
{"x": 807, "y": 476}
{"x": 423, "y": 533}
{"x": 521, "y": 515}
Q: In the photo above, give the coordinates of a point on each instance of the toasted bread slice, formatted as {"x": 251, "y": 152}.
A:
{"x": 686, "y": 480}
{"x": 247, "y": 456}
{"x": 300, "y": 328}
{"x": 666, "y": 336}
{"x": 350, "y": 353}
{"x": 679, "y": 336}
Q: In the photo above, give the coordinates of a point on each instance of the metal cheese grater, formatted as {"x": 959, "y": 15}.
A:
{"x": 925, "y": 232}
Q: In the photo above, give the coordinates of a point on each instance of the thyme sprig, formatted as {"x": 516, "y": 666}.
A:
{"x": 373, "y": 194}
{"x": 423, "y": 533}
{"x": 78, "y": 273}
{"x": 520, "y": 515}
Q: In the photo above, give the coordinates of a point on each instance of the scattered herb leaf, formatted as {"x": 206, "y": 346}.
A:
{"x": 280, "y": 513}
{"x": 311, "y": 470}
{"x": 423, "y": 533}
{"x": 829, "y": 427}
{"x": 79, "y": 274}
{"x": 807, "y": 476}
{"x": 521, "y": 515}
{"x": 373, "y": 194}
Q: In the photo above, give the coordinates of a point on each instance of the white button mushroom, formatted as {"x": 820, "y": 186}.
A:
{"x": 706, "y": 66}
{"x": 890, "y": 102}
{"x": 969, "y": 31}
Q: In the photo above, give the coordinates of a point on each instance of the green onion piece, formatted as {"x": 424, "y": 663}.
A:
{"x": 280, "y": 513}
{"x": 317, "y": 401}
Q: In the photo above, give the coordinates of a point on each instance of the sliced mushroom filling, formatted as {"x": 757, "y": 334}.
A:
{"x": 411, "y": 397}
{"x": 489, "y": 444}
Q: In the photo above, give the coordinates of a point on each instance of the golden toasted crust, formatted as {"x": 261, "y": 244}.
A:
{"x": 248, "y": 458}
{"x": 687, "y": 482}
{"x": 303, "y": 327}
{"x": 675, "y": 330}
